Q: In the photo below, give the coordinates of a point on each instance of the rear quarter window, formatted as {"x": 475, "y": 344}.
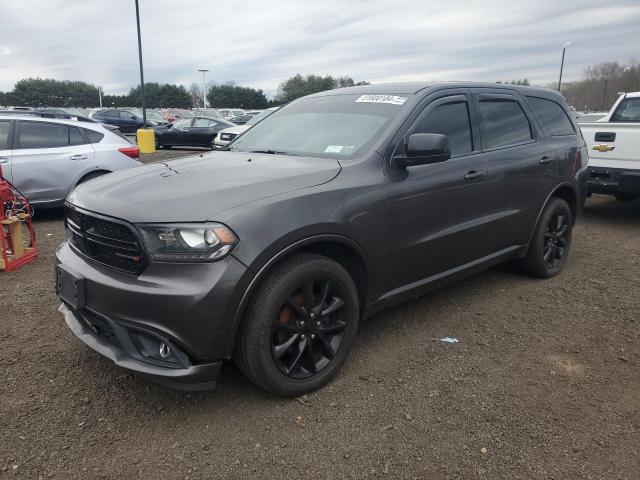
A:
{"x": 93, "y": 136}
{"x": 553, "y": 116}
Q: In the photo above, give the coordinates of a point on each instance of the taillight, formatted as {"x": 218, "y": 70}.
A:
{"x": 133, "y": 152}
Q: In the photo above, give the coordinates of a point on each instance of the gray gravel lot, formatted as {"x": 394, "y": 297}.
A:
{"x": 544, "y": 384}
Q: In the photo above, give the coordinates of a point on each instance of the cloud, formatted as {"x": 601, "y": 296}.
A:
{"x": 259, "y": 43}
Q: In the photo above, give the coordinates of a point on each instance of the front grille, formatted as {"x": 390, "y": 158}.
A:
{"x": 109, "y": 242}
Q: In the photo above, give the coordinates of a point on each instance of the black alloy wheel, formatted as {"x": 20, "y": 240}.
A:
{"x": 550, "y": 241}
{"x": 554, "y": 248}
{"x": 300, "y": 325}
{"x": 309, "y": 329}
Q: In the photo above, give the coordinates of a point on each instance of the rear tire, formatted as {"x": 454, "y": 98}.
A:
{"x": 299, "y": 327}
{"x": 551, "y": 240}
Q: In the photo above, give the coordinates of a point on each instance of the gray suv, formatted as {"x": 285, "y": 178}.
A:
{"x": 338, "y": 205}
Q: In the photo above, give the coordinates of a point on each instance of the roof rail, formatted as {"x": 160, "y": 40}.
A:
{"x": 35, "y": 113}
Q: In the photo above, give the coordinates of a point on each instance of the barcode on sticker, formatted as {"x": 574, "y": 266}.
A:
{"x": 392, "y": 99}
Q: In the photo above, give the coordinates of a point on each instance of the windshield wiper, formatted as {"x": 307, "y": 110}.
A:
{"x": 274, "y": 152}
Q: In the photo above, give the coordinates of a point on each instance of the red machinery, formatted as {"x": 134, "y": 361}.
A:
{"x": 15, "y": 221}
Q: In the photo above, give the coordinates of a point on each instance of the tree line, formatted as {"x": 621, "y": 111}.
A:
{"x": 48, "y": 92}
{"x": 599, "y": 88}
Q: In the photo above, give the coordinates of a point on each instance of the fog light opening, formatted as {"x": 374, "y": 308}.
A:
{"x": 165, "y": 350}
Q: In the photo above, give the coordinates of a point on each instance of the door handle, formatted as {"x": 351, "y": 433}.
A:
{"x": 4, "y": 160}
{"x": 544, "y": 160}
{"x": 78, "y": 157}
{"x": 473, "y": 175}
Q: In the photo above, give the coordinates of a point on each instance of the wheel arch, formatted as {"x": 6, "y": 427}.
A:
{"x": 345, "y": 251}
{"x": 565, "y": 191}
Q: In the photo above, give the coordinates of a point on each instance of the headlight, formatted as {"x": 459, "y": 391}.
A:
{"x": 205, "y": 242}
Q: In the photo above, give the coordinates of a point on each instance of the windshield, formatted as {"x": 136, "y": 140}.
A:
{"x": 259, "y": 116}
{"x": 627, "y": 111}
{"x": 333, "y": 126}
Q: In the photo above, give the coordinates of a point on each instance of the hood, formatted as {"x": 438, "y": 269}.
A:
{"x": 238, "y": 129}
{"x": 196, "y": 189}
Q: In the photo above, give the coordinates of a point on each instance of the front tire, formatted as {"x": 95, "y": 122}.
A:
{"x": 551, "y": 240}
{"x": 300, "y": 326}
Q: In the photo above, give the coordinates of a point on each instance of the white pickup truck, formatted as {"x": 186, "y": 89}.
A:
{"x": 614, "y": 149}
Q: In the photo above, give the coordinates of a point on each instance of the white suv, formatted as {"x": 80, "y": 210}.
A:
{"x": 45, "y": 158}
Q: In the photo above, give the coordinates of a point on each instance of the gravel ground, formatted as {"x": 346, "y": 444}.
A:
{"x": 544, "y": 384}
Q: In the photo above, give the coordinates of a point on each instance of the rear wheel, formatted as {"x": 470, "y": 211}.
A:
{"x": 299, "y": 327}
{"x": 212, "y": 144}
{"x": 551, "y": 240}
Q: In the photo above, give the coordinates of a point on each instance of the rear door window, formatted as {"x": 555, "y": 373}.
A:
{"x": 450, "y": 119}
{"x": 5, "y": 127}
{"x": 75, "y": 137}
{"x": 201, "y": 123}
{"x": 553, "y": 116}
{"x": 42, "y": 135}
{"x": 503, "y": 123}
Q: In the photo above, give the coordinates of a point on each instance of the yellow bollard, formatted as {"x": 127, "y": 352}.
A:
{"x": 146, "y": 140}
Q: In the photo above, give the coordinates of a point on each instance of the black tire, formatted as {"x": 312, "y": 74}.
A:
{"x": 283, "y": 346}
{"x": 212, "y": 145}
{"x": 91, "y": 176}
{"x": 551, "y": 240}
{"x": 158, "y": 146}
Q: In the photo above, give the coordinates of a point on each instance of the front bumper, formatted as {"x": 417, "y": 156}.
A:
{"x": 613, "y": 181}
{"x": 187, "y": 306}
{"x": 123, "y": 352}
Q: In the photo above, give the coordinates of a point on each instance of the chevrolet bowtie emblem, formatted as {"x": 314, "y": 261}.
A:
{"x": 603, "y": 147}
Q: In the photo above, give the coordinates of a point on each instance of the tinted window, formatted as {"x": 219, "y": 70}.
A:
{"x": 503, "y": 123}
{"x": 452, "y": 120}
{"x": 5, "y": 125}
{"x": 94, "y": 137}
{"x": 126, "y": 115}
{"x": 201, "y": 122}
{"x": 43, "y": 135}
{"x": 110, "y": 114}
{"x": 75, "y": 137}
{"x": 552, "y": 115}
{"x": 627, "y": 111}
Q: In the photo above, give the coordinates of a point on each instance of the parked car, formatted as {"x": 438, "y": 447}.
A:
{"x": 614, "y": 146}
{"x": 45, "y": 158}
{"x": 229, "y": 134}
{"x": 126, "y": 120}
{"x": 195, "y": 131}
{"x": 591, "y": 117}
{"x": 230, "y": 112}
{"x": 339, "y": 204}
{"x": 241, "y": 119}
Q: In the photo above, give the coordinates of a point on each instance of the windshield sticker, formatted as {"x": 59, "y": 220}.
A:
{"x": 392, "y": 99}
{"x": 333, "y": 149}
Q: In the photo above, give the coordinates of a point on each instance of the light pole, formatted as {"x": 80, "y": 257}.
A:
{"x": 100, "y": 95}
{"x": 204, "y": 88}
{"x": 144, "y": 111}
{"x": 564, "y": 48}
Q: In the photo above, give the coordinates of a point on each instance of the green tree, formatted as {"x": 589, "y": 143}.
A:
{"x": 47, "y": 92}
{"x": 299, "y": 86}
{"x": 230, "y": 95}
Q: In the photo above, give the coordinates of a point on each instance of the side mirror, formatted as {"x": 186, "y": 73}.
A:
{"x": 422, "y": 149}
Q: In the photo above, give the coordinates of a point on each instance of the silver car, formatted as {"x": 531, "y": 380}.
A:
{"x": 45, "y": 158}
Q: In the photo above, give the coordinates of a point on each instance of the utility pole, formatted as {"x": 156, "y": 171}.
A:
{"x": 100, "y": 95}
{"x": 204, "y": 88}
{"x": 564, "y": 48}
{"x": 144, "y": 111}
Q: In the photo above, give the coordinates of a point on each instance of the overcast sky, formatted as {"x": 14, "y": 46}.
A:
{"x": 260, "y": 43}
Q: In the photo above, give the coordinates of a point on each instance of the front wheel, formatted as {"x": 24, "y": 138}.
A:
{"x": 551, "y": 240}
{"x": 300, "y": 326}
